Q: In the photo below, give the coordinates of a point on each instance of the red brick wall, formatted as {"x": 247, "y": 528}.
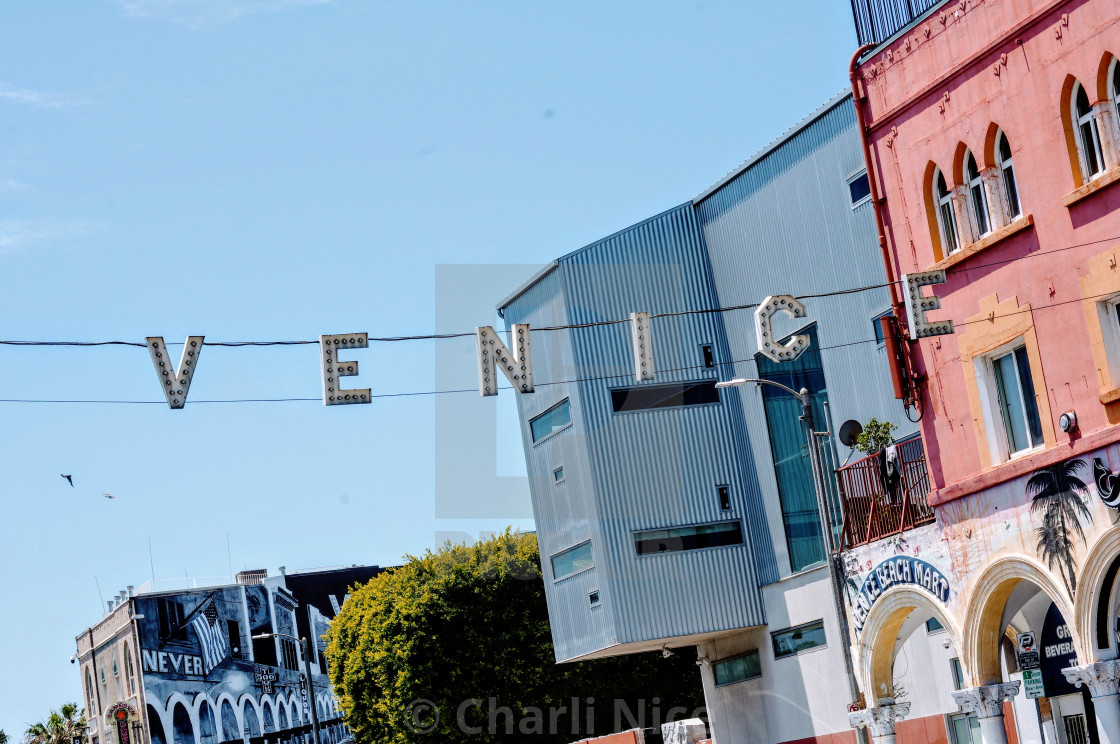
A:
{"x": 844, "y": 737}
{"x": 928, "y": 730}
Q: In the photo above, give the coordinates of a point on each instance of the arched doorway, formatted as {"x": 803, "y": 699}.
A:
{"x": 230, "y": 730}
{"x": 1013, "y": 600}
{"x": 909, "y": 662}
{"x": 282, "y": 721}
{"x": 181, "y": 726}
{"x": 252, "y": 720}
{"x": 269, "y": 721}
{"x": 155, "y": 727}
{"x": 207, "y": 724}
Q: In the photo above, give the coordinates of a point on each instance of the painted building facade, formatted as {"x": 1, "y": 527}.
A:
{"x": 212, "y": 664}
{"x": 993, "y": 136}
{"x": 673, "y": 514}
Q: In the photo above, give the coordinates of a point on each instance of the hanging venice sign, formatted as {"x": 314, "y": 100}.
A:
{"x": 898, "y": 571}
{"x": 515, "y": 361}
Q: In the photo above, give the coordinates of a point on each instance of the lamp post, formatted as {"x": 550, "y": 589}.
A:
{"x": 826, "y": 521}
{"x": 305, "y": 647}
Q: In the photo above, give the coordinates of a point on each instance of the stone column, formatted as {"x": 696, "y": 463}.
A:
{"x": 997, "y": 202}
{"x": 987, "y": 703}
{"x": 1103, "y": 680}
{"x": 880, "y": 719}
{"x": 966, "y": 229}
{"x": 1106, "y": 127}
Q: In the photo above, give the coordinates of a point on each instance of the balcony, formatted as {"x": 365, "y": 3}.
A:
{"x": 878, "y": 20}
{"x": 873, "y": 508}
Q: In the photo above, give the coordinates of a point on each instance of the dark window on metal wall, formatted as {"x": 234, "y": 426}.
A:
{"x": 708, "y": 356}
{"x": 680, "y": 539}
{"x": 859, "y": 188}
{"x": 724, "y": 494}
{"x": 676, "y": 395}
{"x": 789, "y": 449}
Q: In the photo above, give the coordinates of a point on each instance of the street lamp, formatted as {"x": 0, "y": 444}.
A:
{"x": 825, "y": 516}
{"x": 305, "y": 647}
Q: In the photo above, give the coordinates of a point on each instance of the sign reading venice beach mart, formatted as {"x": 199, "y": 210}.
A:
{"x": 897, "y": 571}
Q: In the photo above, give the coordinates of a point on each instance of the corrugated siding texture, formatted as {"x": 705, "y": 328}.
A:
{"x": 659, "y": 469}
{"x": 786, "y": 226}
{"x": 565, "y": 514}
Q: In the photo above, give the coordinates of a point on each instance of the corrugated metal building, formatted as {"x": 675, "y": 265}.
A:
{"x": 671, "y": 513}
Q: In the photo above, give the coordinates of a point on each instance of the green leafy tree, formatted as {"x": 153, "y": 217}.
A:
{"x": 62, "y": 726}
{"x": 1059, "y": 493}
{"x": 431, "y": 651}
{"x": 3, "y": 737}
{"x": 876, "y": 435}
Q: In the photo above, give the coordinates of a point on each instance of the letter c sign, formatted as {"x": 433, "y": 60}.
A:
{"x": 764, "y": 332}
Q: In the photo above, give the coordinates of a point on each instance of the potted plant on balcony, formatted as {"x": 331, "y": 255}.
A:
{"x": 876, "y": 440}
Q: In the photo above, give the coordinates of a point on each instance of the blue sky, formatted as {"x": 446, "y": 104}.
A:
{"x": 277, "y": 169}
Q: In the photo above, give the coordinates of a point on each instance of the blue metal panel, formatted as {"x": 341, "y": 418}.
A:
{"x": 785, "y": 225}
{"x": 565, "y": 513}
{"x": 657, "y": 469}
{"x": 643, "y": 470}
{"x": 781, "y": 224}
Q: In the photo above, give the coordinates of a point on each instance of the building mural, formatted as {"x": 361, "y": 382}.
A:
{"x": 219, "y": 664}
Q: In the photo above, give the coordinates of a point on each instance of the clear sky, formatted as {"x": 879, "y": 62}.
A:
{"x": 277, "y": 169}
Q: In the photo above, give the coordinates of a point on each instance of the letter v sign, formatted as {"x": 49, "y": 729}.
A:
{"x": 176, "y": 382}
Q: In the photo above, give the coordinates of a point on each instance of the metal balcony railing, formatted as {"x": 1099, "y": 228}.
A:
{"x": 878, "y": 20}
{"x": 874, "y": 509}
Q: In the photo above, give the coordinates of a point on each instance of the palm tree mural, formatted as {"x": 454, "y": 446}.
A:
{"x": 1058, "y": 492}
{"x": 62, "y": 726}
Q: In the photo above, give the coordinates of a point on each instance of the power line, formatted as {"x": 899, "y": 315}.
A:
{"x": 572, "y": 381}
{"x": 440, "y": 336}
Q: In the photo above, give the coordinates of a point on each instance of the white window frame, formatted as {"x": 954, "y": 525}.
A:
{"x": 940, "y": 201}
{"x": 1114, "y": 92}
{"x": 1110, "y": 332}
{"x": 850, "y": 180}
{"x": 1007, "y": 176}
{"x": 998, "y": 445}
{"x": 976, "y": 207}
{"x": 1094, "y": 128}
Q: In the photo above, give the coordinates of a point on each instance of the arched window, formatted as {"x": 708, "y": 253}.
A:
{"x": 1114, "y": 87}
{"x": 1007, "y": 176}
{"x": 946, "y": 221}
{"x": 91, "y": 700}
{"x": 1088, "y": 135}
{"x": 977, "y": 199}
{"x": 129, "y": 670}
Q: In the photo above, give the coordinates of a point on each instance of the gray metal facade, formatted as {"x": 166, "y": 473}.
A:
{"x": 782, "y": 223}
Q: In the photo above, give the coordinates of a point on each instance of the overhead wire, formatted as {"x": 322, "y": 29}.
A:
{"x": 572, "y": 326}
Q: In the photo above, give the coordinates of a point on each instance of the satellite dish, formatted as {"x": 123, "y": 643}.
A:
{"x": 849, "y": 431}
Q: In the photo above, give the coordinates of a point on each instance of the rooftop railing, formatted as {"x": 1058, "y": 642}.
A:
{"x": 878, "y": 20}
{"x": 875, "y": 507}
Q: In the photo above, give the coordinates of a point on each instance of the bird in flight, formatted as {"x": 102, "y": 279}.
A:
{"x": 69, "y": 479}
{"x": 108, "y": 495}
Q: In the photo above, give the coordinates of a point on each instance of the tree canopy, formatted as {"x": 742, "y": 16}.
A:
{"x": 61, "y": 726}
{"x": 454, "y": 646}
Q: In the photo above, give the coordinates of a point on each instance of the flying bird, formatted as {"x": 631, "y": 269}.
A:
{"x": 69, "y": 479}
{"x": 108, "y": 495}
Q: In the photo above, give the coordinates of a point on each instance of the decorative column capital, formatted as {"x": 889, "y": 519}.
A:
{"x": 880, "y": 719}
{"x": 986, "y": 701}
{"x": 1102, "y": 678}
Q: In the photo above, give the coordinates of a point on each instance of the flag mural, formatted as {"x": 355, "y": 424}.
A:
{"x": 212, "y": 639}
